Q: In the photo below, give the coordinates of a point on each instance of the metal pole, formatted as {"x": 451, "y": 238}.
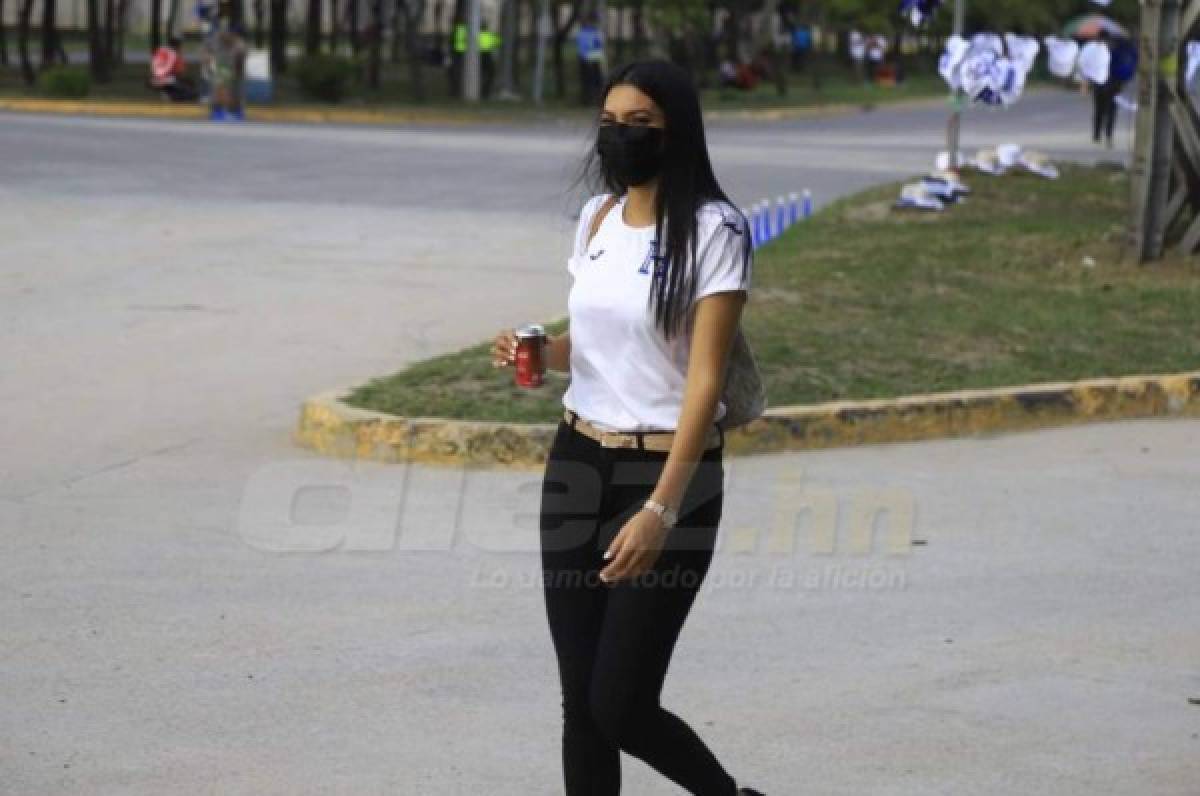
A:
{"x": 955, "y": 125}
{"x": 508, "y": 27}
{"x": 470, "y": 78}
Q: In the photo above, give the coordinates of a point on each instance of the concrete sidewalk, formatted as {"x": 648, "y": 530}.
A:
{"x": 1042, "y": 640}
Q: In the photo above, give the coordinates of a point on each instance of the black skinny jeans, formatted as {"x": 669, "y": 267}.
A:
{"x": 614, "y": 641}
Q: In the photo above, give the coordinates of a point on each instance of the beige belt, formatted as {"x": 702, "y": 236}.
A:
{"x": 644, "y": 440}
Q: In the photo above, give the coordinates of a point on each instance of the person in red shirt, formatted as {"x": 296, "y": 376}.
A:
{"x": 168, "y": 72}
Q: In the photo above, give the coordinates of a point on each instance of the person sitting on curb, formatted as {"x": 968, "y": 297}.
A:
{"x": 168, "y": 72}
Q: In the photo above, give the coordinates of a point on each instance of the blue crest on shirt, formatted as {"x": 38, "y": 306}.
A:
{"x": 652, "y": 255}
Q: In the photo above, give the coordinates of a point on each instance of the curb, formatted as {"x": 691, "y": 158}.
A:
{"x": 364, "y": 116}
{"x": 332, "y": 427}
{"x": 255, "y": 113}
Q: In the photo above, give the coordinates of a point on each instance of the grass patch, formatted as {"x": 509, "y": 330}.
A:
{"x": 863, "y": 302}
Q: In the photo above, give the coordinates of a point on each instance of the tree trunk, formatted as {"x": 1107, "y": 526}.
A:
{"x": 559, "y": 39}
{"x": 260, "y": 16}
{"x": 352, "y": 26}
{"x": 278, "y": 37}
{"x": 155, "y": 24}
{"x": 508, "y": 43}
{"x": 375, "y": 56}
{"x": 97, "y": 59}
{"x": 414, "y": 11}
{"x": 397, "y": 32}
{"x": 622, "y": 35}
{"x": 172, "y": 19}
{"x": 49, "y": 33}
{"x": 516, "y": 46}
{"x": 639, "y": 27}
{"x": 24, "y": 12}
{"x": 110, "y": 31}
{"x": 122, "y": 27}
{"x": 3, "y": 37}
{"x": 335, "y": 26}
{"x": 312, "y": 28}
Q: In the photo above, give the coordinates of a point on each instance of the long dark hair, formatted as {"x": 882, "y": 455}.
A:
{"x": 685, "y": 183}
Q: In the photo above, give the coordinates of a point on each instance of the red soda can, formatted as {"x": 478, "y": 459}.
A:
{"x": 531, "y": 339}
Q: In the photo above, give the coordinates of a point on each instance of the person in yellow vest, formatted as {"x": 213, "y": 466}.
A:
{"x": 458, "y": 50}
{"x": 489, "y": 45}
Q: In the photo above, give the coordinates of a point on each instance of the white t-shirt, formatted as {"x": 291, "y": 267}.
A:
{"x": 625, "y": 375}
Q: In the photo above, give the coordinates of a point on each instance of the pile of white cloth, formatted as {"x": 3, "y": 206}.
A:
{"x": 1006, "y": 157}
{"x": 934, "y": 192}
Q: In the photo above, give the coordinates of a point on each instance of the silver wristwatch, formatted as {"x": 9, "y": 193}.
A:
{"x": 668, "y": 515}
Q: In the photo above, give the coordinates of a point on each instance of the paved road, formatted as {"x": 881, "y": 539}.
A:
{"x": 172, "y": 291}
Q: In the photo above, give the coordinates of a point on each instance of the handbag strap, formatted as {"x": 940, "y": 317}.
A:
{"x": 599, "y": 217}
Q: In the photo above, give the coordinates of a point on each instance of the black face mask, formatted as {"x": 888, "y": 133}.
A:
{"x": 632, "y": 154}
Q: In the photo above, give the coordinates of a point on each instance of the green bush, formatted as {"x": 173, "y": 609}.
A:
{"x": 325, "y": 77}
{"x": 65, "y": 82}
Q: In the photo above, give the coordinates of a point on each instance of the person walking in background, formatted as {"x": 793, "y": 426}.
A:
{"x": 632, "y": 491}
{"x": 589, "y": 44}
{"x": 1104, "y": 96}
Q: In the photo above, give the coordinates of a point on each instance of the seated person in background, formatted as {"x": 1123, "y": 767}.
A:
{"x": 168, "y": 72}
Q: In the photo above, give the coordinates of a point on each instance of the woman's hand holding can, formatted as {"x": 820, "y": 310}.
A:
{"x": 504, "y": 348}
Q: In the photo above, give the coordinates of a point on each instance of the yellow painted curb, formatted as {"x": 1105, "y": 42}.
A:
{"x": 258, "y": 113}
{"x": 330, "y": 426}
{"x": 153, "y": 109}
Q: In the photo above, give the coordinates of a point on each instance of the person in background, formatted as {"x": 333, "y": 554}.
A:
{"x": 1104, "y": 96}
{"x": 226, "y": 56}
{"x": 168, "y": 72}
{"x": 458, "y": 52}
{"x": 876, "y": 49}
{"x": 489, "y": 44}
{"x": 589, "y": 43}
{"x": 857, "y": 44}
{"x": 801, "y": 45}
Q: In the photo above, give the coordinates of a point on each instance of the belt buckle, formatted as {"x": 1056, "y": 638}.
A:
{"x": 616, "y": 439}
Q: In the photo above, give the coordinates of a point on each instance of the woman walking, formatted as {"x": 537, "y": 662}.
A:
{"x": 633, "y": 486}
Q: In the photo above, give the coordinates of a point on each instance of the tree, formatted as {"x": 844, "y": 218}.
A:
{"x": 559, "y": 39}
{"x": 24, "y": 13}
{"x": 312, "y": 28}
{"x": 413, "y": 11}
{"x": 375, "y": 43}
{"x": 278, "y": 36}
{"x": 155, "y": 24}
{"x": 3, "y": 37}
{"x": 52, "y": 49}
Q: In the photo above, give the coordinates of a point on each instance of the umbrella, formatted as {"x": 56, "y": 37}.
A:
{"x": 1089, "y": 26}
